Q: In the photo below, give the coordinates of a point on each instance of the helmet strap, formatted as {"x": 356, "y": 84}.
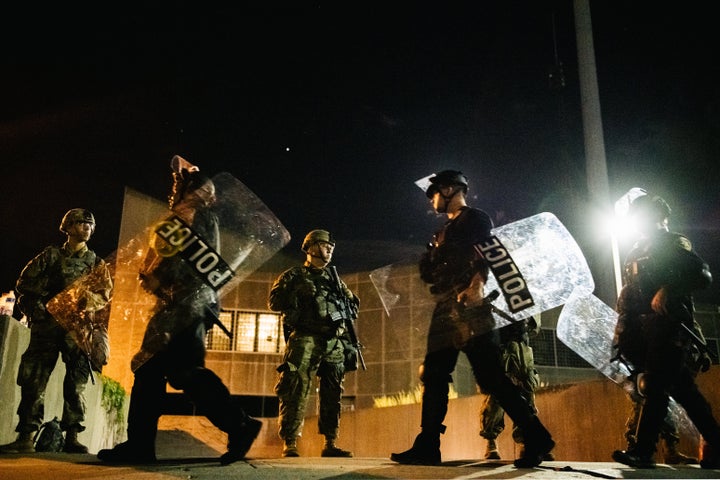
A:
{"x": 447, "y": 198}
{"x": 321, "y": 256}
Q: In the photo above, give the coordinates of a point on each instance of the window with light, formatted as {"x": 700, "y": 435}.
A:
{"x": 251, "y": 332}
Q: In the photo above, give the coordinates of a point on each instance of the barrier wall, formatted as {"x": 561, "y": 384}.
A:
{"x": 102, "y": 427}
{"x": 586, "y": 419}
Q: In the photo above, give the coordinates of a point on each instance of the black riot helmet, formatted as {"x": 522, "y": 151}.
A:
{"x": 650, "y": 212}
{"x": 185, "y": 182}
{"x": 75, "y": 215}
{"x": 446, "y": 178}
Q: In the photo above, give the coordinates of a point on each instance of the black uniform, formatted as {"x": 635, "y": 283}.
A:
{"x": 658, "y": 344}
{"x": 173, "y": 351}
{"x": 449, "y": 266}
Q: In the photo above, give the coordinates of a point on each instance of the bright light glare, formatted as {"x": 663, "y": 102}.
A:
{"x": 620, "y": 227}
{"x": 622, "y": 205}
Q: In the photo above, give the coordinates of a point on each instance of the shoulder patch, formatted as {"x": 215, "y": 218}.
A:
{"x": 684, "y": 243}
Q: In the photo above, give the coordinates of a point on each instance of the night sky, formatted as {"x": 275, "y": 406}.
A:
{"x": 330, "y": 114}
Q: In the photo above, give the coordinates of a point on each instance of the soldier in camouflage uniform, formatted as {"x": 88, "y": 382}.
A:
{"x": 520, "y": 367}
{"x": 45, "y": 276}
{"x": 317, "y": 341}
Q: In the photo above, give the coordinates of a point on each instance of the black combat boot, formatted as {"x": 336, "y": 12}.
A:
{"x": 128, "y": 453}
{"x": 425, "y": 451}
{"x": 634, "y": 458}
{"x": 240, "y": 441}
{"x": 538, "y": 445}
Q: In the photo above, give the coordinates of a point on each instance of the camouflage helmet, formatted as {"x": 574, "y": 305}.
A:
{"x": 76, "y": 215}
{"x": 446, "y": 178}
{"x": 315, "y": 236}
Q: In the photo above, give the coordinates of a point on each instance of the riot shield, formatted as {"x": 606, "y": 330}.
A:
{"x": 83, "y": 308}
{"x": 247, "y": 235}
{"x": 587, "y": 326}
{"x": 536, "y": 254}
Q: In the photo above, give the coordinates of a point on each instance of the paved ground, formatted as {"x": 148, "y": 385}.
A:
{"x": 57, "y": 466}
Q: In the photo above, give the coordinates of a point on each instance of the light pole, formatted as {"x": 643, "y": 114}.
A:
{"x": 595, "y": 161}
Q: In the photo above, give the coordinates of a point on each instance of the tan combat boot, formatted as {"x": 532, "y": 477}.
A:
{"x": 23, "y": 444}
{"x": 330, "y": 450}
{"x": 290, "y": 448}
{"x": 491, "y": 452}
{"x": 71, "y": 443}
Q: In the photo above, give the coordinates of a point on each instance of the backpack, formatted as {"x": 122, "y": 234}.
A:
{"x": 49, "y": 437}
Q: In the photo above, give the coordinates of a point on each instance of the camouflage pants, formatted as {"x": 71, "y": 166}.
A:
{"x": 47, "y": 340}
{"x": 305, "y": 357}
{"x": 520, "y": 368}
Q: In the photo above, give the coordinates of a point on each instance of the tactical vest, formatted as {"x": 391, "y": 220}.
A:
{"x": 321, "y": 314}
{"x": 63, "y": 270}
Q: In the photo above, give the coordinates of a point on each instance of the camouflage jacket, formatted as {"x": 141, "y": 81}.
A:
{"x": 311, "y": 302}
{"x": 54, "y": 269}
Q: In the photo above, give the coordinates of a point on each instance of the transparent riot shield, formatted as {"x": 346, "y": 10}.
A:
{"x": 587, "y": 326}
{"x": 197, "y": 267}
{"x": 536, "y": 255}
{"x": 83, "y": 308}
{"x": 550, "y": 260}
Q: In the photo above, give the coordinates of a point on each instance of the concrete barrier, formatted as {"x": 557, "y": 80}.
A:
{"x": 103, "y": 428}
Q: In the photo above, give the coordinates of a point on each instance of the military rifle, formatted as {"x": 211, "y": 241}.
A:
{"x": 349, "y": 315}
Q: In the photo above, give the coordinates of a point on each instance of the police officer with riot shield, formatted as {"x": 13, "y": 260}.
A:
{"x": 456, "y": 271}
{"x": 314, "y": 303}
{"x": 173, "y": 348}
{"x": 654, "y": 332}
{"x": 44, "y": 277}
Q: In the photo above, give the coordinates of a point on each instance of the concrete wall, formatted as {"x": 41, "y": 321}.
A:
{"x": 587, "y": 421}
{"x": 102, "y": 429}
